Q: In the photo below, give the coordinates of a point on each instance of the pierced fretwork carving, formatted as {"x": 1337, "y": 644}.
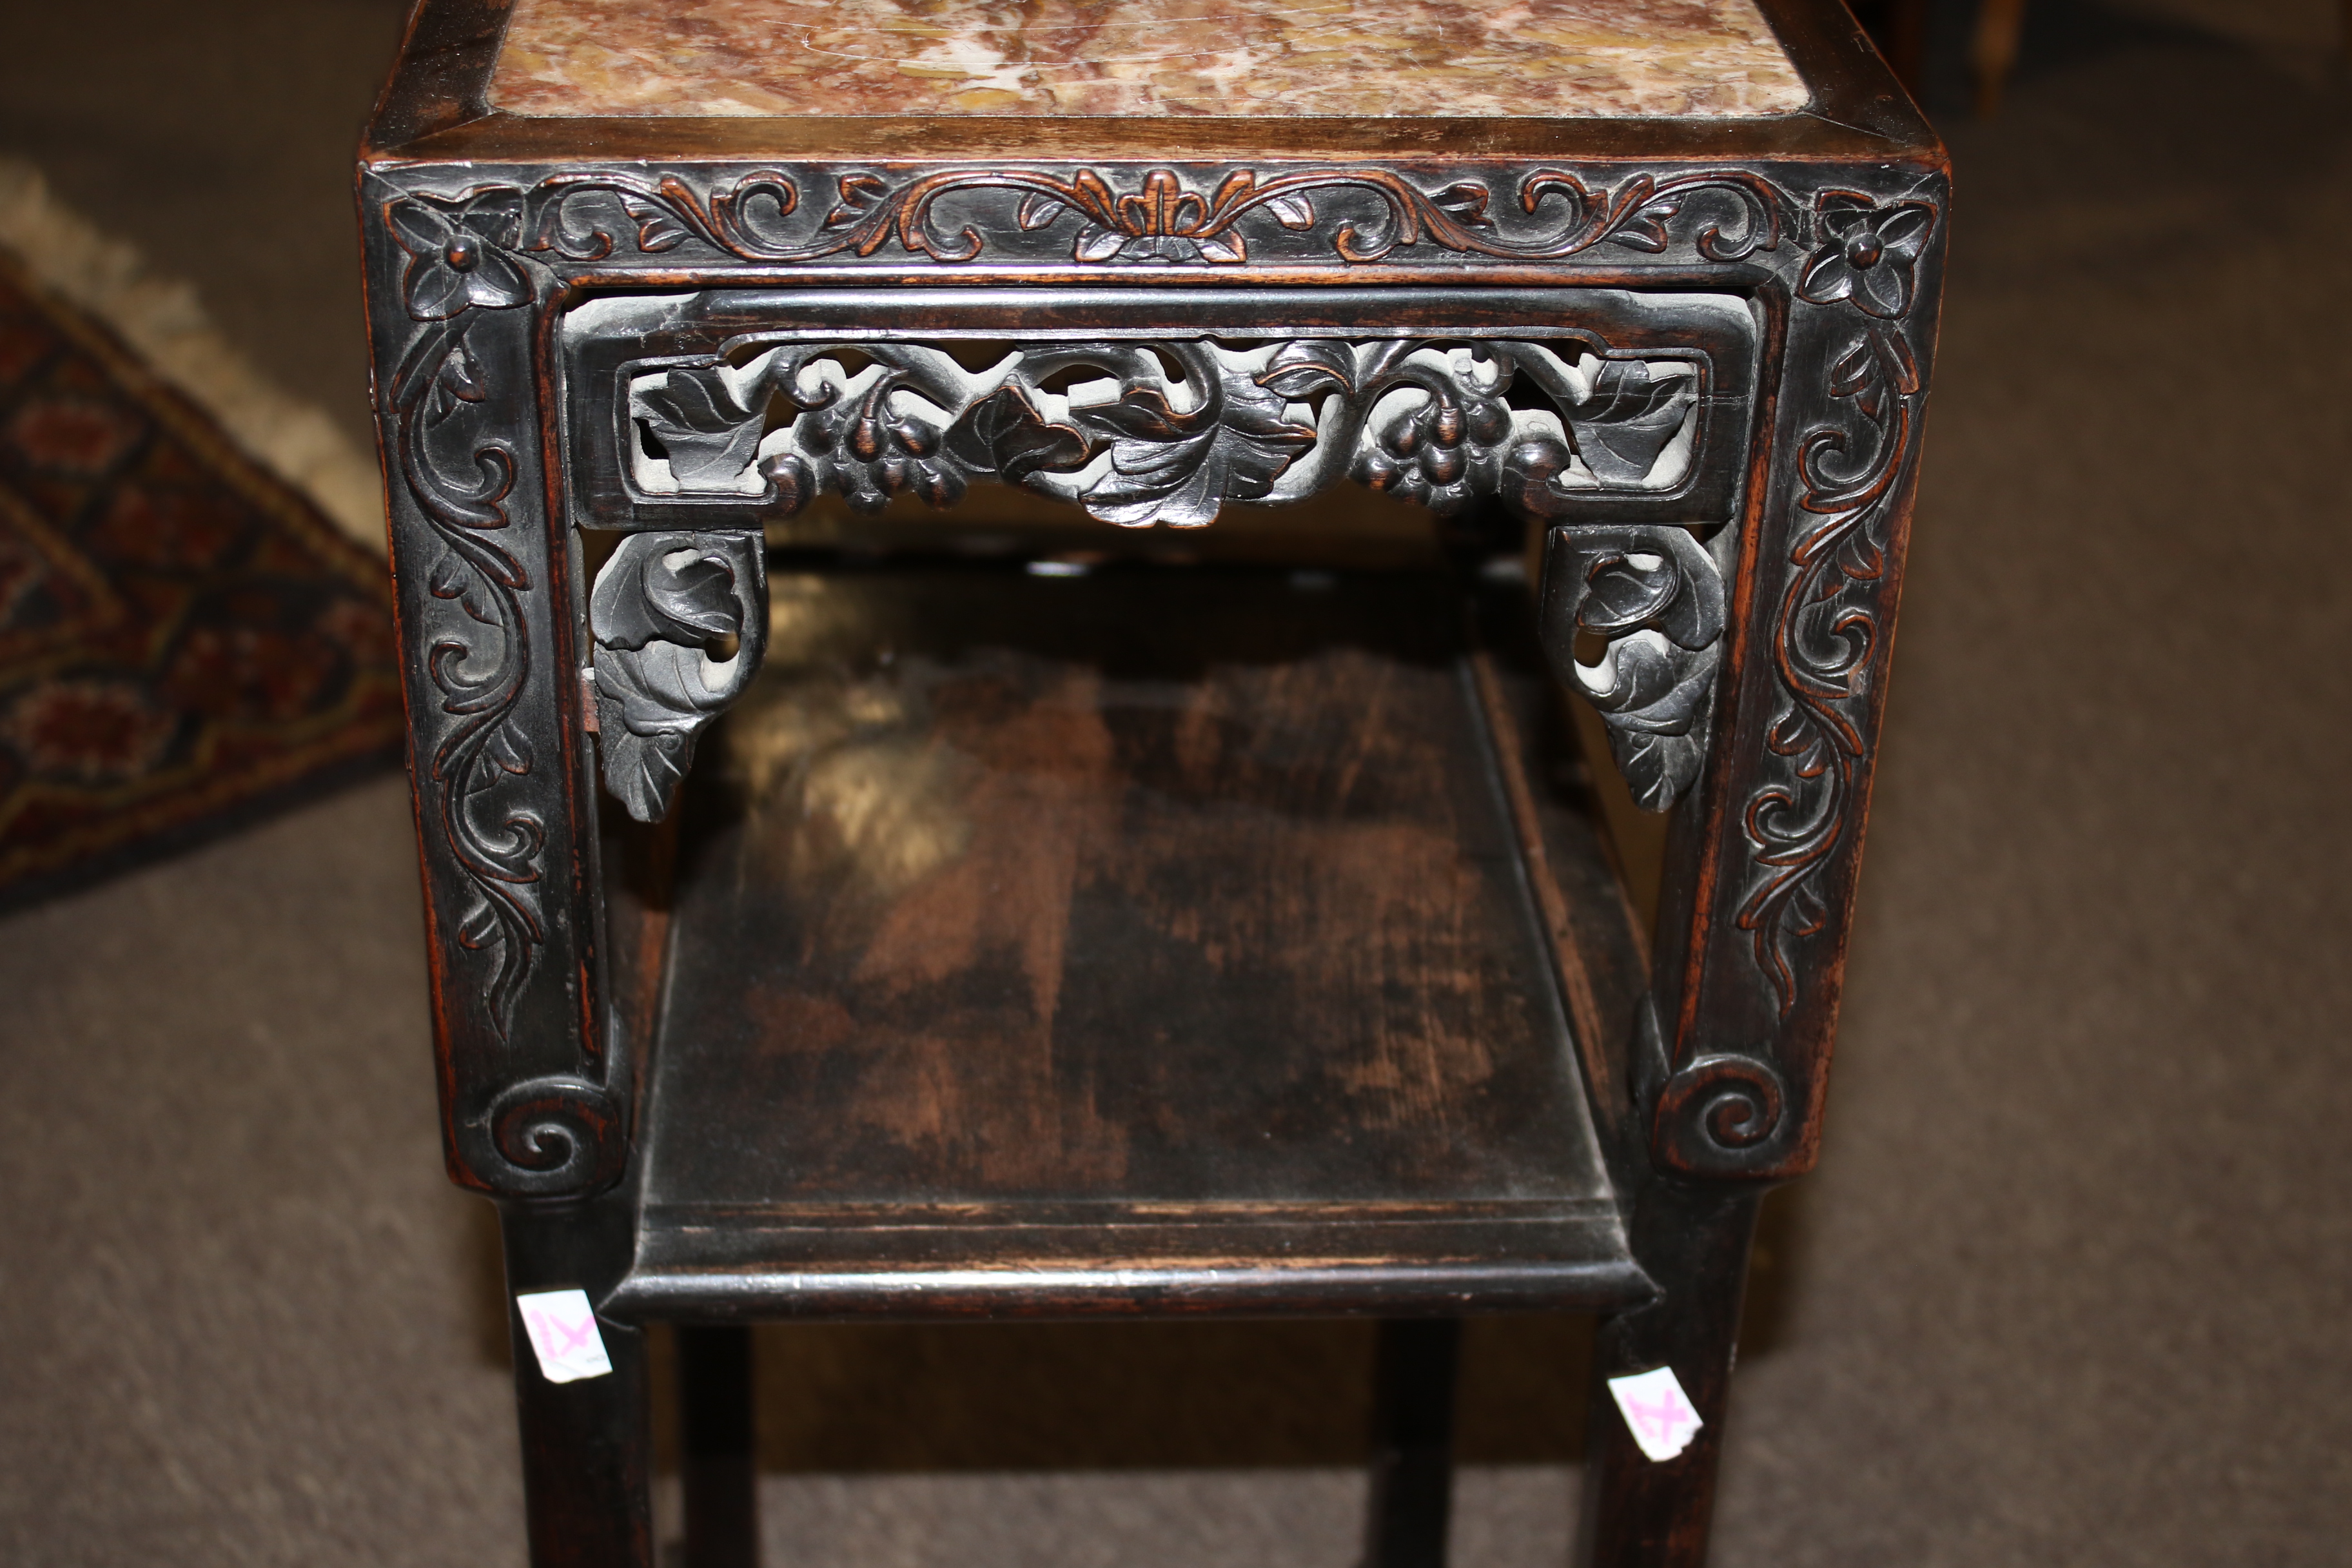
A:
{"x": 1167, "y": 431}
{"x": 1654, "y": 596}
{"x": 660, "y": 603}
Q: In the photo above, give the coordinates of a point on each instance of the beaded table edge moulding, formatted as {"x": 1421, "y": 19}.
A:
{"x": 1219, "y": 59}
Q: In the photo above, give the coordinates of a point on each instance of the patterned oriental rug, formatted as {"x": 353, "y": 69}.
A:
{"x": 185, "y": 641}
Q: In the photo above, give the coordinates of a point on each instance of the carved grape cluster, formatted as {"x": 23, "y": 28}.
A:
{"x": 1428, "y": 453}
{"x": 877, "y": 454}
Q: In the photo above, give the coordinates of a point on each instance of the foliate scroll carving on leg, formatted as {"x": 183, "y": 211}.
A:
{"x": 1655, "y": 597}
{"x": 660, "y": 603}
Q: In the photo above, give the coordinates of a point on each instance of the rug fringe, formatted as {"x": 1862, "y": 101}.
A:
{"x": 162, "y": 318}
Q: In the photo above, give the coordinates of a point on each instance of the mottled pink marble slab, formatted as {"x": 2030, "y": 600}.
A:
{"x": 1347, "y": 58}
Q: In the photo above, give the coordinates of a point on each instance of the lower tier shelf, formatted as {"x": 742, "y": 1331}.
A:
{"x": 1145, "y": 940}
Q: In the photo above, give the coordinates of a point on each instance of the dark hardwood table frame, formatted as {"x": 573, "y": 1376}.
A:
{"x": 1721, "y": 331}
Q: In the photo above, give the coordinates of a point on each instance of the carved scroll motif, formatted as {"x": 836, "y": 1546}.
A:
{"x": 1825, "y": 638}
{"x": 1654, "y": 596}
{"x": 659, "y": 604}
{"x": 1137, "y": 445}
{"x": 556, "y": 1136}
{"x": 1719, "y": 1114}
{"x": 1361, "y": 214}
{"x": 477, "y": 658}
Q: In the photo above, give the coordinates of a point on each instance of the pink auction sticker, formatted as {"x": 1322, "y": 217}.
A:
{"x": 1657, "y": 1410}
{"x": 562, "y": 1330}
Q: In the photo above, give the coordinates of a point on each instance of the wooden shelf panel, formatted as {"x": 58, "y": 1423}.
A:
{"x": 1163, "y": 926}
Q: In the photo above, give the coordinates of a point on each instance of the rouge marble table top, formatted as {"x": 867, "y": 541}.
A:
{"x": 1538, "y": 58}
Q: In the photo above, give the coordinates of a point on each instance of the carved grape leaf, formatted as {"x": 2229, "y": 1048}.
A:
{"x": 696, "y": 594}
{"x": 643, "y": 771}
{"x": 1621, "y": 429}
{"x": 1623, "y": 592}
{"x": 1308, "y": 366}
{"x": 691, "y": 603}
{"x": 1658, "y": 769}
{"x": 647, "y": 743}
{"x": 1179, "y": 468}
{"x": 1003, "y": 433}
{"x": 1654, "y": 701}
{"x": 709, "y": 436}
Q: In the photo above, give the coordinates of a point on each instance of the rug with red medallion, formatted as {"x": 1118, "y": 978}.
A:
{"x": 186, "y": 642}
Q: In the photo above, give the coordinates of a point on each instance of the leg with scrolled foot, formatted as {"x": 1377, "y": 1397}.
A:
{"x": 1645, "y": 1513}
{"x": 586, "y": 1442}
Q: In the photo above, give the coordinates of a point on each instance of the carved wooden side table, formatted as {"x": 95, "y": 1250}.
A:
{"x": 1094, "y": 932}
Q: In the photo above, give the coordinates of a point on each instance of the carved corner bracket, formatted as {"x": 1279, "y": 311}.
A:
{"x": 1654, "y": 597}
{"x": 660, "y": 603}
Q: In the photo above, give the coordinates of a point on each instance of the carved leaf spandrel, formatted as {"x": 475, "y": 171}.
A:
{"x": 658, "y": 604}
{"x": 1178, "y": 467}
{"x": 1305, "y": 366}
{"x": 1631, "y": 417}
{"x": 1003, "y": 434}
{"x": 709, "y": 434}
{"x": 1655, "y": 597}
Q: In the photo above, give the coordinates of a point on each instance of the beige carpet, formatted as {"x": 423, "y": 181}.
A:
{"x": 2070, "y": 1288}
